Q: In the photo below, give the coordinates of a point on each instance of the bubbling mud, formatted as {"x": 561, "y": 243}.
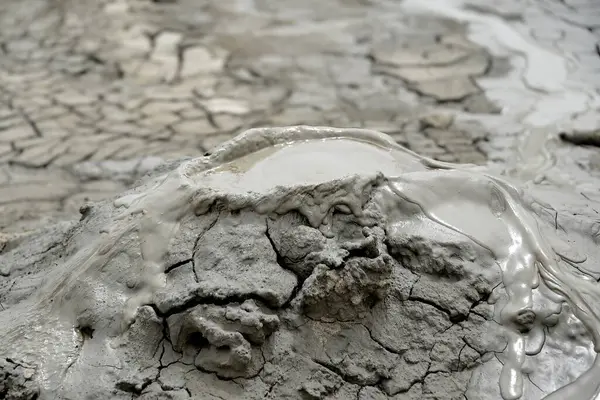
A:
{"x": 312, "y": 170}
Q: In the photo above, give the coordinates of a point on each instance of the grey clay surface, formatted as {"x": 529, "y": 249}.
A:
{"x": 313, "y": 263}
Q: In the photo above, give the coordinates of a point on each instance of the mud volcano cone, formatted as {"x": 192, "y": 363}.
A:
{"x": 309, "y": 263}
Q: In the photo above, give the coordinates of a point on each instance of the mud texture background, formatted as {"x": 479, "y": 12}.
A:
{"x": 96, "y": 94}
{"x": 91, "y": 91}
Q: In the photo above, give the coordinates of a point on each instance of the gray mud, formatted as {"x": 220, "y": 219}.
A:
{"x": 311, "y": 263}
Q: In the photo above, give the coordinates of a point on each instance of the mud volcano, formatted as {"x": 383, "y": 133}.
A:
{"x": 309, "y": 263}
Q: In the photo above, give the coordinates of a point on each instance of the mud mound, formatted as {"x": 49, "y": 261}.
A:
{"x": 309, "y": 263}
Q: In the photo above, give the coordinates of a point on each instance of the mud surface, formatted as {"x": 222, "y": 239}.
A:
{"x": 279, "y": 267}
{"x": 92, "y": 92}
{"x": 299, "y": 263}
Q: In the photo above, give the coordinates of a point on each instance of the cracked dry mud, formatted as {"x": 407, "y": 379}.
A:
{"x": 224, "y": 278}
{"x": 311, "y": 263}
{"x": 94, "y": 92}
